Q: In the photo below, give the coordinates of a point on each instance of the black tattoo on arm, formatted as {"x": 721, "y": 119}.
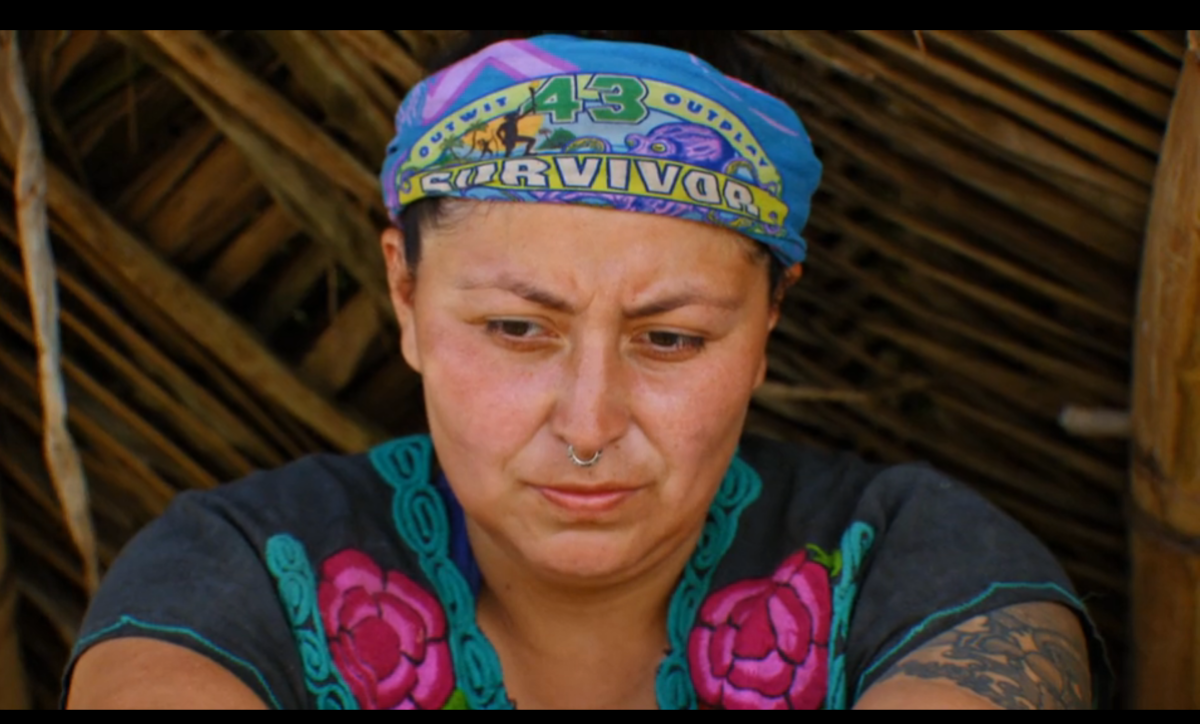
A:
{"x": 1030, "y": 656}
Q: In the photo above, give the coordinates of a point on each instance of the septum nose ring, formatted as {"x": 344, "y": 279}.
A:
{"x": 583, "y": 463}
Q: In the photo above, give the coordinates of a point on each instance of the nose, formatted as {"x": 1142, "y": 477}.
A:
{"x": 592, "y": 408}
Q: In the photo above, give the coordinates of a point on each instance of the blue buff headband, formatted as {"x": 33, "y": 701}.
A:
{"x": 625, "y": 126}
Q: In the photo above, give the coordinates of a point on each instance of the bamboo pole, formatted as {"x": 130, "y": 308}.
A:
{"x": 1166, "y": 421}
{"x": 62, "y": 457}
{"x": 13, "y": 693}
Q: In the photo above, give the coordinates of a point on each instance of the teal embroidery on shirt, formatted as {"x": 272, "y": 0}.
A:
{"x": 739, "y": 489}
{"x": 288, "y": 563}
{"x": 422, "y": 521}
{"x": 856, "y": 544}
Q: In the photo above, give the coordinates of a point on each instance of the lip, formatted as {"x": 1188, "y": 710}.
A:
{"x": 592, "y": 500}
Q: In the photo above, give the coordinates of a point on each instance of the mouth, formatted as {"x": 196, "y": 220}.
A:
{"x": 592, "y": 499}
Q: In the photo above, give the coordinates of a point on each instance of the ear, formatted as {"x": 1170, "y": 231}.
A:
{"x": 791, "y": 275}
{"x": 402, "y": 285}
{"x": 772, "y": 320}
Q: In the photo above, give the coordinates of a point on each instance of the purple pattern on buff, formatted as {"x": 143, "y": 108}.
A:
{"x": 519, "y": 59}
{"x": 685, "y": 142}
{"x": 764, "y": 644}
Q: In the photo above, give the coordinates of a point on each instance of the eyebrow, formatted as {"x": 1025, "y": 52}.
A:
{"x": 524, "y": 290}
{"x": 686, "y": 298}
{"x": 541, "y": 297}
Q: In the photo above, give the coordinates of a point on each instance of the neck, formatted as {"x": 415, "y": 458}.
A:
{"x": 570, "y": 644}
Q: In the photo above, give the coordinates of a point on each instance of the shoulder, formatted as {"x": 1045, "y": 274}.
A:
{"x": 324, "y": 501}
{"x": 314, "y": 499}
{"x": 1024, "y": 656}
{"x": 812, "y": 496}
{"x": 321, "y": 485}
{"x": 233, "y": 574}
{"x": 887, "y": 558}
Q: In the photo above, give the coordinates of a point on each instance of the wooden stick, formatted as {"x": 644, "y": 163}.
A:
{"x": 1027, "y": 193}
{"x": 217, "y": 71}
{"x": 194, "y": 473}
{"x": 76, "y": 46}
{"x": 955, "y": 243}
{"x": 1027, "y": 393}
{"x": 1166, "y": 422}
{"x": 216, "y": 196}
{"x": 989, "y": 127}
{"x": 955, "y": 282}
{"x": 1060, "y": 94}
{"x": 1150, "y": 99}
{"x": 161, "y": 178}
{"x": 792, "y": 393}
{"x": 926, "y": 191}
{"x": 1073, "y": 133}
{"x": 363, "y": 72}
{"x": 303, "y": 189}
{"x": 376, "y": 47}
{"x": 1102, "y": 474}
{"x": 1096, "y": 422}
{"x": 146, "y": 359}
{"x": 981, "y": 459}
{"x": 1135, "y": 62}
{"x": 143, "y": 483}
{"x": 1161, "y": 39}
{"x": 305, "y": 268}
{"x": 62, "y": 457}
{"x": 224, "y": 336}
{"x": 246, "y": 255}
{"x": 347, "y": 106}
{"x": 338, "y": 353}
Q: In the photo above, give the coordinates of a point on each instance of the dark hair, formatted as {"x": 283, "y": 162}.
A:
{"x": 722, "y": 48}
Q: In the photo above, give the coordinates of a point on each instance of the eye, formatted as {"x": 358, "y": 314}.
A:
{"x": 514, "y": 328}
{"x": 674, "y": 342}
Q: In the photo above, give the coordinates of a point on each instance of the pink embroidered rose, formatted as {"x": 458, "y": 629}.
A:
{"x": 387, "y": 635}
{"x": 764, "y": 644}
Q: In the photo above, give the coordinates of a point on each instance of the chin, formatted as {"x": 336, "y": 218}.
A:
{"x": 584, "y": 556}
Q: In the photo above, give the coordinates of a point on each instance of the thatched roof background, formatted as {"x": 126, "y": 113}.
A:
{"x": 975, "y": 249}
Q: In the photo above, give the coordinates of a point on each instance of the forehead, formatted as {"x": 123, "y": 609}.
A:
{"x": 487, "y": 231}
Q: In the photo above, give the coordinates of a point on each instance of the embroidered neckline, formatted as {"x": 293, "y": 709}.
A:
{"x": 288, "y": 562}
{"x": 422, "y": 522}
{"x": 856, "y": 543}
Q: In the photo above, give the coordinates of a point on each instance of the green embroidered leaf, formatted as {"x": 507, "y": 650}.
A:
{"x": 837, "y": 565}
{"x": 832, "y": 562}
{"x": 456, "y": 702}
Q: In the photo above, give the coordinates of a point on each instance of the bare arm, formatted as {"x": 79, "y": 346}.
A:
{"x": 1030, "y": 656}
{"x": 141, "y": 674}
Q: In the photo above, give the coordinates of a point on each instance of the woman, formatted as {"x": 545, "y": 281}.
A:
{"x": 592, "y": 245}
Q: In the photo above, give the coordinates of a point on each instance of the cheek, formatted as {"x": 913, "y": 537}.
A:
{"x": 477, "y": 398}
{"x": 696, "y": 417}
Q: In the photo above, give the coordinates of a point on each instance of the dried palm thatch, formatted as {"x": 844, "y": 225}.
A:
{"x": 214, "y": 210}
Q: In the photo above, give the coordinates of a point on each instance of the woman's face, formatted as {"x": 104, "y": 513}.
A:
{"x": 538, "y": 326}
